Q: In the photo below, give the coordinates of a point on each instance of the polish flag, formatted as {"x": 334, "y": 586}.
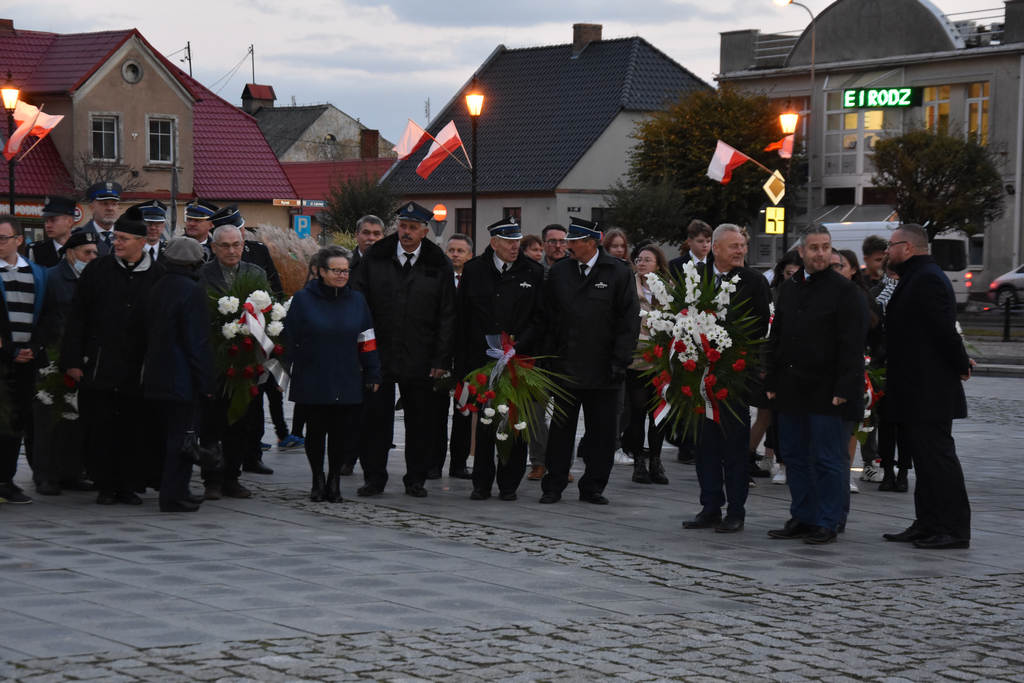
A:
{"x": 31, "y": 121}
{"x": 23, "y": 130}
{"x": 446, "y": 142}
{"x": 725, "y": 160}
{"x": 366, "y": 341}
{"x": 411, "y": 139}
{"x": 785, "y": 146}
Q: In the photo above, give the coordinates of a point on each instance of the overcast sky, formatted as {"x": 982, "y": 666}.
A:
{"x": 381, "y": 61}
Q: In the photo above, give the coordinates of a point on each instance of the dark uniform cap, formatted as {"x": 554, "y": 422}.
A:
{"x": 80, "y": 236}
{"x": 59, "y": 206}
{"x": 131, "y": 222}
{"x": 200, "y": 209}
{"x": 506, "y": 228}
{"x": 153, "y": 212}
{"x": 104, "y": 190}
{"x": 228, "y": 215}
{"x": 414, "y": 212}
{"x": 183, "y": 251}
{"x": 582, "y": 229}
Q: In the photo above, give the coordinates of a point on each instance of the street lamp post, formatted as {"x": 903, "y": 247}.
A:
{"x": 475, "y": 104}
{"x": 10, "y": 94}
{"x": 810, "y": 105}
{"x": 788, "y": 121}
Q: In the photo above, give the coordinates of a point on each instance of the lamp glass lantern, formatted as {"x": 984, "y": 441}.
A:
{"x": 788, "y": 121}
{"x": 475, "y": 103}
{"x": 10, "y": 93}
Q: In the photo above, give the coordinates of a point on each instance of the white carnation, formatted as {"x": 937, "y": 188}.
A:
{"x": 278, "y": 312}
{"x": 274, "y": 328}
{"x": 501, "y": 436}
{"x": 503, "y": 409}
{"x": 69, "y": 416}
{"x": 520, "y": 426}
{"x": 486, "y": 420}
{"x": 45, "y": 397}
{"x": 260, "y": 300}
{"x": 48, "y": 370}
{"x": 489, "y": 412}
{"x": 226, "y": 305}
{"x": 229, "y": 330}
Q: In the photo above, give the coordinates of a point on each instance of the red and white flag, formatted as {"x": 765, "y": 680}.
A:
{"x": 411, "y": 139}
{"x": 30, "y": 121}
{"x": 785, "y": 146}
{"x": 446, "y": 142}
{"x": 725, "y": 160}
{"x": 366, "y": 341}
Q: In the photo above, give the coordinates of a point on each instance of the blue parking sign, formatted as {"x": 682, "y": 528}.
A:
{"x": 302, "y": 225}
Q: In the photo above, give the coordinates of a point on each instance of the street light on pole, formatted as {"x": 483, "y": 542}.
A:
{"x": 810, "y": 103}
{"x": 475, "y": 104}
{"x": 788, "y": 121}
{"x": 10, "y": 94}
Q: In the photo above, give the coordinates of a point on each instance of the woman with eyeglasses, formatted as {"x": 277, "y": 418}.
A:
{"x": 332, "y": 353}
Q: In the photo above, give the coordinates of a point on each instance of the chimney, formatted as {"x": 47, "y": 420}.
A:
{"x": 6, "y": 26}
{"x": 255, "y": 97}
{"x": 1013, "y": 29}
{"x": 369, "y": 143}
{"x": 583, "y": 35}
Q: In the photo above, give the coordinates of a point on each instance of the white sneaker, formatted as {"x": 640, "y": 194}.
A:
{"x": 853, "y": 487}
{"x": 872, "y": 472}
{"x": 622, "y": 459}
{"x": 780, "y": 476}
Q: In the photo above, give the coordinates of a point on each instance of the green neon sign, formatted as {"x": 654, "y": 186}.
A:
{"x": 875, "y": 98}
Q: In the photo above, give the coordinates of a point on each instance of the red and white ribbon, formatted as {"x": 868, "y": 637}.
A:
{"x": 253, "y": 319}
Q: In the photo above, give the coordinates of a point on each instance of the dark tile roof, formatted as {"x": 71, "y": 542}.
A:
{"x": 56, "y": 63}
{"x": 41, "y": 172}
{"x": 283, "y": 126}
{"x": 543, "y": 110}
{"x": 313, "y": 179}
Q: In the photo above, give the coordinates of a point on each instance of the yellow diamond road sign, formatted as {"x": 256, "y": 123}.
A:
{"x": 775, "y": 188}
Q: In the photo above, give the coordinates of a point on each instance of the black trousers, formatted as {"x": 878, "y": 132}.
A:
{"x": 113, "y": 454}
{"x": 639, "y": 394}
{"x": 275, "y": 400}
{"x": 330, "y": 428}
{"x": 723, "y": 463}
{"x": 508, "y": 473}
{"x": 940, "y": 496}
{"x": 59, "y": 446}
{"x": 175, "y": 419}
{"x": 419, "y": 410}
{"x": 597, "y": 447}
{"x": 20, "y": 379}
{"x": 457, "y": 448}
{"x": 240, "y": 440}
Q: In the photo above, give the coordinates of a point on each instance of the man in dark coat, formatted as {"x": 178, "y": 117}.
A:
{"x": 500, "y": 291}
{"x": 103, "y": 348}
{"x": 369, "y": 230}
{"x": 179, "y": 365}
{"x": 58, "y": 219}
{"x": 199, "y": 224}
{"x": 241, "y": 439}
{"x": 105, "y": 197}
{"x": 815, "y": 373}
{"x": 408, "y": 282}
{"x": 594, "y": 321}
{"x": 924, "y": 369}
{"x": 722, "y": 460}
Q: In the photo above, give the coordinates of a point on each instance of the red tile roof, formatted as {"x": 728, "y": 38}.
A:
{"x": 313, "y": 179}
{"x": 259, "y": 92}
{"x": 41, "y": 172}
{"x": 54, "y": 63}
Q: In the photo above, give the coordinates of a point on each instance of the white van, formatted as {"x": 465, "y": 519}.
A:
{"x": 949, "y": 248}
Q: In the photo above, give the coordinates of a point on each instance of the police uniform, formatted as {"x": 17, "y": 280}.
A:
{"x": 154, "y": 211}
{"x": 99, "y": 192}
{"x": 46, "y": 252}
{"x": 202, "y": 210}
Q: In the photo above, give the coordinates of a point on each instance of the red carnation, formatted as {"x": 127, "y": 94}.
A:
{"x": 481, "y": 378}
{"x": 721, "y": 394}
{"x": 743, "y": 353}
{"x": 472, "y": 389}
{"x": 278, "y": 349}
{"x": 679, "y": 346}
{"x": 69, "y": 382}
{"x": 482, "y": 398}
{"x": 690, "y": 365}
{"x": 248, "y": 371}
{"x": 685, "y": 311}
{"x": 254, "y": 391}
{"x": 472, "y": 408}
{"x": 714, "y": 355}
{"x": 489, "y": 394}
{"x": 699, "y": 410}
{"x": 247, "y": 343}
{"x": 260, "y": 369}
{"x": 658, "y": 351}
{"x": 648, "y": 356}
{"x": 687, "y": 391}
{"x": 739, "y": 365}
{"x": 230, "y": 372}
{"x": 710, "y": 380}
{"x": 233, "y": 349}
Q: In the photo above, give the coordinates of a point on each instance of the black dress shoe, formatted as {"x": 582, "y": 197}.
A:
{"x": 793, "y": 529}
{"x": 434, "y": 473}
{"x": 192, "y": 498}
{"x": 233, "y": 489}
{"x": 478, "y": 494}
{"x": 178, "y": 506}
{"x": 901, "y": 482}
{"x": 347, "y": 469}
{"x": 909, "y": 535}
{"x": 368, "y": 490}
{"x": 729, "y": 525}
{"x": 820, "y": 536}
{"x": 593, "y": 499}
{"x": 942, "y": 542}
{"x": 128, "y": 498}
{"x": 508, "y": 495}
{"x": 106, "y": 498}
{"x": 549, "y": 497}
{"x": 48, "y": 488}
{"x": 257, "y": 468}
{"x": 81, "y": 484}
{"x": 703, "y": 520}
{"x": 416, "y": 491}
{"x": 460, "y": 473}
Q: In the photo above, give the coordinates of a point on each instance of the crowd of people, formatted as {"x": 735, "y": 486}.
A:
{"x": 120, "y": 317}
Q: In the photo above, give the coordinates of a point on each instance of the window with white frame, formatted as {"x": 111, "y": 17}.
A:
{"x": 936, "y": 108}
{"x": 161, "y": 140}
{"x": 851, "y": 135}
{"x": 977, "y": 113}
{"x": 104, "y": 138}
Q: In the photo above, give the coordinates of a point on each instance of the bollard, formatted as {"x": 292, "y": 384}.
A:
{"x": 1006, "y": 318}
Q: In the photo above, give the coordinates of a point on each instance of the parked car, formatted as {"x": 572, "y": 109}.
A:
{"x": 1008, "y": 286}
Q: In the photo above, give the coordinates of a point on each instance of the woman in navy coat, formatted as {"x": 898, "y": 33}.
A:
{"x": 332, "y": 351}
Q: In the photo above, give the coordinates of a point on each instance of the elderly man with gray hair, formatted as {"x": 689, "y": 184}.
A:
{"x": 722, "y": 453}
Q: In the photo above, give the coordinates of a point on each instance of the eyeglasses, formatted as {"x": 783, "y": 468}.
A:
{"x": 561, "y": 242}
{"x": 5, "y": 238}
{"x": 337, "y": 271}
{"x": 893, "y": 244}
{"x": 229, "y": 245}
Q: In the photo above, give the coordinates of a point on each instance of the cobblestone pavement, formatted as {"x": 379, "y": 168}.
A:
{"x": 394, "y": 588}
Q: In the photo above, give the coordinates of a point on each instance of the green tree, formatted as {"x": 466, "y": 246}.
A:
{"x": 668, "y": 166}
{"x": 939, "y": 179}
{"x": 352, "y": 199}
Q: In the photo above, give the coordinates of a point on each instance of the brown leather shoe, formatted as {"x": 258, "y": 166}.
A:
{"x": 536, "y": 473}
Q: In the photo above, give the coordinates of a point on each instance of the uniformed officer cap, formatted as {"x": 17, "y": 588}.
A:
{"x": 582, "y": 229}
{"x": 506, "y": 228}
{"x": 79, "y": 237}
{"x": 200, "y": 209}
{"x": 412, "y": 211}
{"x": 104, "y": 190}
{"x": 131, "y": 222}
{"x": 228, "y": 215}
{"x": 58, "y": 206}
{"x": 153, "y": 211}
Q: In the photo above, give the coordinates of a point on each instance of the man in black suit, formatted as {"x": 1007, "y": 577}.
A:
{"x": 59, "y": 217}
{"x": 925, "y": 366}
{"x": 722, "y": 447}
{"x": 594, "y": 316}
{"x": 105, "y": 197}
{"x": 155, "y": 214}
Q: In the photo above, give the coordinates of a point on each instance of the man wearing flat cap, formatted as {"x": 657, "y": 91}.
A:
{"x": 408, "y": 283}
{"x": 58, "y": 219}
{"x": 501, "y": 291}
{"x": 104, "y": 197}
{"x": 103, "y": 349}
{"x": 594, "y": 319}
{"x": 198, "y": 224}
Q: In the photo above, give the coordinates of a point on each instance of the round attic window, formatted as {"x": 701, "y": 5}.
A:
{"x": 131, "y": 71}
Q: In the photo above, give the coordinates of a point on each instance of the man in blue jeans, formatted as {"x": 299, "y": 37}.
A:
{"x": 815, "y": 374}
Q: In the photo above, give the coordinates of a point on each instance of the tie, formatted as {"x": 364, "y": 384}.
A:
{"x": 106, "y": 238}
{"x": 583, "y": 271}
{"x": 458, "y": 280}
{"x": 152, "y": 254}
{"x": 407, "y": 266}
{"x": 504, "y": 268}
